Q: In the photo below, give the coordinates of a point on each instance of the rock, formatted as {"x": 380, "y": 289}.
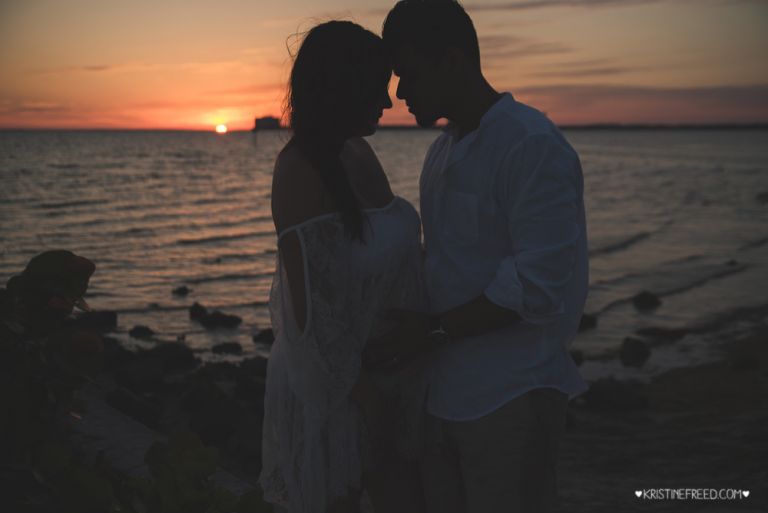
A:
{"x": 214, "y": 371}
{"x": 213, "y": 320}
{"x": 244, "y": 446}
{"x": 136, "y": 407}
{"x": 745, "y": 362}
{"x": 141, "y": 332}
{"x": 254, "y": 366}
{"x": 227, "y": 348}
{"x": 174, "y": 356}
{"x": 634, "y": 352}
{"x": 197, "y": 311}
{"x": 662, "y": 334}
{"x": 264, "y": 337}
{"x": 578, "y": 357}
{"x": 181, "y": 291}
{"x": 250, "y": 389}
{"x": 587, "y": 322}
{"x": 103, "y": 320}
{"x": 115, "y": 355}
{"x": 218, "y": 319}
{"x": 212, "y": 414}
{"x": 762, "y": 198}
{"x": 645, "y": 301}
{"x": 141, "y": 375}
{"x": 611, "y": 395}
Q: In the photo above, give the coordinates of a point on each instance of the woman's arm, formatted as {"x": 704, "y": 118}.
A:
{"x": 297, "y": 195}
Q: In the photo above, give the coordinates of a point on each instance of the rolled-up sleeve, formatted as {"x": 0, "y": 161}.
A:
{"x": 540, "y": 190}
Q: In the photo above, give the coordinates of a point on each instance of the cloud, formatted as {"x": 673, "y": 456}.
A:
{"x": 32, "y": 107}
{"x": 45, "y": 114}
{"x": 201, "y": 67}
{"x": 249, "y": 90}
{"x": 544, "y": 4}
{"x": 214, "y": 67}
{"x": 527, "y": 5}
{"x": 585, "y": 72}
{"x": 97, "y": 68}
{"x": 498, "y": 47}
{"x": 583, "y": 68}
{"x": 636, "y": 104}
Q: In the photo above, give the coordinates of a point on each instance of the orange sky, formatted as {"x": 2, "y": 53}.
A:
{"x": 192, "y": 64}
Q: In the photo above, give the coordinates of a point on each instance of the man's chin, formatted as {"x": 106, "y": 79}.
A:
{"x": 425, "y": 122}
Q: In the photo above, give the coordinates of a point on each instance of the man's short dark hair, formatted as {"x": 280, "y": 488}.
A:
{"x": 431, "y": 27}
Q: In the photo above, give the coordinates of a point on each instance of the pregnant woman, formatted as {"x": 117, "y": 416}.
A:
{"x": 348, "y": 251}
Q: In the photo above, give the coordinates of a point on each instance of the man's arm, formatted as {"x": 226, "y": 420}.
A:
{"x": 476, "y": 317}
{"x": 539, "y": 187}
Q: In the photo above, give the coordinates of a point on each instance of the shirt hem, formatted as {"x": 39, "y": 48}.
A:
{"x": 453, "y": 418}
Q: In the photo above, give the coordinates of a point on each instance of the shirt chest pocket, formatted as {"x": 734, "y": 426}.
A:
{"x": 460, "y": 218}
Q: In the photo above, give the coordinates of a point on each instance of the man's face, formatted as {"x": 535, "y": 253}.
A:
{"x": 423, "y": 85}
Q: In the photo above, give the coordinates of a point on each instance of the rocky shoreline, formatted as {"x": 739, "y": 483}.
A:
{"x": 694, "y": 427}
{"x": 168, "y": 390}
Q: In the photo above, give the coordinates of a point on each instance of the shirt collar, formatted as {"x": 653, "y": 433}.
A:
{"x": 461, "y": 147}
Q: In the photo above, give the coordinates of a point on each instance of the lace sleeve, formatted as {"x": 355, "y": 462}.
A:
{"x": 313, "y": 442}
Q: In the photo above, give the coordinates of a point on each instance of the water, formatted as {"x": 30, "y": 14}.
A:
{"x": 667, "y": 212}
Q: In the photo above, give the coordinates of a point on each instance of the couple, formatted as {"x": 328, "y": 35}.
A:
{"x": 436, "y": 379}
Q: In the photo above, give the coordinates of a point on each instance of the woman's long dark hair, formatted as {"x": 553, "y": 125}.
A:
{"x": 340, "y": 69}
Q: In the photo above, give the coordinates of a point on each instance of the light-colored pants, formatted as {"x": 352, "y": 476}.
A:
{"x": 504, "y": 462}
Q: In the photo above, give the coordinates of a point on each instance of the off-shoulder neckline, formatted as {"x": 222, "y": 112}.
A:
{"x": 336, "y": 214}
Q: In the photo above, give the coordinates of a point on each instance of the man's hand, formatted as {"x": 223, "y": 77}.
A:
{"x": 407, "y": 339}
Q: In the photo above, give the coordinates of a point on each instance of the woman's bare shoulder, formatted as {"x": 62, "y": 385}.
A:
{"x": 296, "y": 190}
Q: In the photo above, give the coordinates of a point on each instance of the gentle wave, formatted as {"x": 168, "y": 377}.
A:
{"x": 621, "y": 245}
{"x": 754, "y": 244}
{"x": 235, "y": 257}
{"x": 68, "y": 204}
{"x": 712, "y": 324}
{"x": 228, "y": 277}
{"x": 222, "y": 238}
{"x": 679, "y": 279}
{"x": 179, "y": 308}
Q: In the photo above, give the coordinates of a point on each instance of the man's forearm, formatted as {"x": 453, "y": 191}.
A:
{"x": 477, "y": 317}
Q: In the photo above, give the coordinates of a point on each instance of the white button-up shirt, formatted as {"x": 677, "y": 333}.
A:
{"x": 503, "y": 215}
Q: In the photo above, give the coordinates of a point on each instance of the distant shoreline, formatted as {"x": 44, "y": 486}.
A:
{"x": 596, "y": 126}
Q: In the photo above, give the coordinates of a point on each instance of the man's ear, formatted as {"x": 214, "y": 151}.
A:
{"x": 453, "y": 60}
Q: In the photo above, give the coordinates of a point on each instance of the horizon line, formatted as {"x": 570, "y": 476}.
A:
{"x": 578, "y": 126}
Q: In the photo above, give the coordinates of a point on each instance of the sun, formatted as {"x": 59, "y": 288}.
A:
{"x": 221, "y": 129}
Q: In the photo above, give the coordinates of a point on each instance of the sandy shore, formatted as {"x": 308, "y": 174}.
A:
{"x": 702, "y": 427}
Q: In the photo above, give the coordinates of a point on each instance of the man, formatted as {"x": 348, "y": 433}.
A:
{"x": 506, "y": 269}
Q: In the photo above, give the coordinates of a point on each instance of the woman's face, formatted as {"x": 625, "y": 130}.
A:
{"x": 374, "y": 101}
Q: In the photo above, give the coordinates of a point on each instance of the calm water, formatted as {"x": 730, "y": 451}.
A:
{"x": 667, "y": 212}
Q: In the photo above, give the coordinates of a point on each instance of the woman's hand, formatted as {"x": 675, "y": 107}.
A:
{"x": 408, "y": 339}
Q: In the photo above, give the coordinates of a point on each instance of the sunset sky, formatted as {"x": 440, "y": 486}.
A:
{"x": 193, "y": 64}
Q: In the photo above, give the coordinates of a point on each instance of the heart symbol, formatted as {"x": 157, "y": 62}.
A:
{"x": 745, "y": 492}
{"x": 638, "y": 493}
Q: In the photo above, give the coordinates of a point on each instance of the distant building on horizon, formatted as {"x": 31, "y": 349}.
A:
{"x": 266, "y": 123}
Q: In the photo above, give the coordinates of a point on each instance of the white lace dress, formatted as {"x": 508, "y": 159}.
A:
{"x": 314, "y": 445}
